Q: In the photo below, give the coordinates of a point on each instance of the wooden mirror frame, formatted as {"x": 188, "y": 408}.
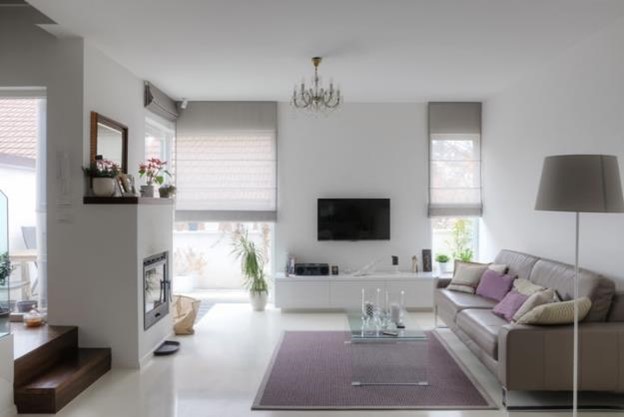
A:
{"x": 96, "y": 119}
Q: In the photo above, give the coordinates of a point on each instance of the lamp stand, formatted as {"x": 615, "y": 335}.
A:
{"x": 576, "y": 329}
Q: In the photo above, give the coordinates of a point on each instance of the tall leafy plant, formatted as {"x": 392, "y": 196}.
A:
{"x": 252, "y": 263}
{"x": 460, "y": 244}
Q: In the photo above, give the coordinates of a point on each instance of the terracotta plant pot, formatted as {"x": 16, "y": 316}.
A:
{"x": 103, "y": 187}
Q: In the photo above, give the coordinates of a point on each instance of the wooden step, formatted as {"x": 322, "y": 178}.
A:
{"x": 38, "y": 349}
{"x": 53, "y": 389}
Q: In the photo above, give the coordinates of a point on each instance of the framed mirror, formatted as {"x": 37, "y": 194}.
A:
{"x": 109, "y": 140}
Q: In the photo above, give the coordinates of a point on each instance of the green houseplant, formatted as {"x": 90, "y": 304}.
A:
{"x": 443, "y": 261}
{"x": 252, "y": 267}
{"x": 5, "y": 268}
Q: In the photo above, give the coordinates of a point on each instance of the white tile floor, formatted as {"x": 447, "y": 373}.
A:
{"x": 218, "y": 371}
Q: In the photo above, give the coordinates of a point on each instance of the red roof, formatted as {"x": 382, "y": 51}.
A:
{"x": 18, "y": 127}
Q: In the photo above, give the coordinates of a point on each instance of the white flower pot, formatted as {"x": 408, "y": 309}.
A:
{"x": 103, "y": 187}
{"x": 148, "y": 191}
{"x": 258, "y": 300}
{"x": 444, "y": 267}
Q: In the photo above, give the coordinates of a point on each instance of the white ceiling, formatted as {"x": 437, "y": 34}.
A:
{"x": 378, "y": 51}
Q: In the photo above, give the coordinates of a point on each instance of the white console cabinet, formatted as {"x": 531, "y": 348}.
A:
{"x": 338, "y": 292}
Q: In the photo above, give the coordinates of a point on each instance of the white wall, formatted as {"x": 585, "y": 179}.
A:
{"x": 573, "y": 105}
{"x": 102, "y": 277}
{"x": 363, "y": 150}
{"x": 33, "y": 58}
{"x": 82, "y": 269}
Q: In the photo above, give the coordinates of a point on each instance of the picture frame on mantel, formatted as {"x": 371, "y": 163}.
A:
{"x": 427, "y": 260}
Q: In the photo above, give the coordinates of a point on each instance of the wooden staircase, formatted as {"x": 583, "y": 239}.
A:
{"x": 50, "y": 368}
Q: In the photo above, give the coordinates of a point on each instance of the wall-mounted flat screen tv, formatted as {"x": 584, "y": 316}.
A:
{"x": 353, "y": 219}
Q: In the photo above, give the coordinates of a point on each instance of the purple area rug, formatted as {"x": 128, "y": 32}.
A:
{"x": 312, "y": 370}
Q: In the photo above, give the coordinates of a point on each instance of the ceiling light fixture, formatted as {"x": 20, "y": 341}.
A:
{"x": 316, "y": 97}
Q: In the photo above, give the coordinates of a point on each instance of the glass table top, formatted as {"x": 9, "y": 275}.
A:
{"x": 361, "y": 330}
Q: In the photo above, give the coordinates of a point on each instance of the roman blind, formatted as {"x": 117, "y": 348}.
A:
{"x": 226, "y": 162}
{"x": 455, "y": 159}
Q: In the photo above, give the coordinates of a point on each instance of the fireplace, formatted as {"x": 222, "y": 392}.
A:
{"x": 156, "y": 287}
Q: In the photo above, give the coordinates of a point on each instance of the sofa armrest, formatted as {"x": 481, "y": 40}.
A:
{"x": 540, "y": 358}
{"x": 443, "y": 282}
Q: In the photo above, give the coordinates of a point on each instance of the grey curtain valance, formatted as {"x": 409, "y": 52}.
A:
{"x": 159, "y": 103}
{"x": 454, "y": 118}
{"x": 214, "y": 116}
{"x": 226, "y": 161}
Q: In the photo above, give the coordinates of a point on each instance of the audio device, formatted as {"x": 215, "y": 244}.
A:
{"x": 311, "y": 269}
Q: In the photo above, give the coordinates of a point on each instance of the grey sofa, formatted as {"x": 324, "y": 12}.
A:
{"x": 539, "y": 358}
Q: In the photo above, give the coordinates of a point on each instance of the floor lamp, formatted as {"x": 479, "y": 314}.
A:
{"x": 580, "y": 184}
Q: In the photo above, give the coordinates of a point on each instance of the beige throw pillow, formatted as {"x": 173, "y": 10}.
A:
{"x": 467, "y": 276}
{"x": 526, "y": 287}
{"x": 556, "y": 313}
{"x": 536, "y": 299}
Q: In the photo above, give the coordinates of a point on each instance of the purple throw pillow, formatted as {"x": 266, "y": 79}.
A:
{"x": 508, "y": 306}
{"x": 494, "y": 285}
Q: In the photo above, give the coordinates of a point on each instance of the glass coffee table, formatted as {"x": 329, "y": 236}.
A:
{"x": 387, "y": 359}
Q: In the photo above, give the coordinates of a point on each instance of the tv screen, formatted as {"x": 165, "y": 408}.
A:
{"x": 353, "y": 219}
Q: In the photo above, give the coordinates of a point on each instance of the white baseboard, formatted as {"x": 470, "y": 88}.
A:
{"x": 150, "y": 354}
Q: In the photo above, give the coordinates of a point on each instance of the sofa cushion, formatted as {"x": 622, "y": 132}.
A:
{"x": 526, "y": 287}
{"x": 509, "y": 305}
{"x": 482, "y": 327}
{"x": 556, "y": 313}
{"x": 467, "y": 276}
{"x": 519, "y": 264}
{"x": 535, "y": 300}
{"x": 452, "y": 302}
{"x": 494, "y": 286}
{"x": 560, "y": 277}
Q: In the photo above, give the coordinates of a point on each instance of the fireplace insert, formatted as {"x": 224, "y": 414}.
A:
{"x": 156, "y": 288}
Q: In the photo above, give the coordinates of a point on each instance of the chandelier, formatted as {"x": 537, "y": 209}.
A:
{"x": 316, "y": 97}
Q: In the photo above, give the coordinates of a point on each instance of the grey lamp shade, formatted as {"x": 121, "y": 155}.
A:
{"x": 580, "y": 183}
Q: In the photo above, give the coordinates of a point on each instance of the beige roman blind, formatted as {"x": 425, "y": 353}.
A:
{"x": 455, "y": 159}
{"x": 226, "y": 161}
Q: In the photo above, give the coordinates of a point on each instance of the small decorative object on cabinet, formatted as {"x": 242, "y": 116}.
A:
{"x": 414, "y": 264}
{"x": 427, "y": 261}
{"x": 443, "y": 261}
{"x": 33, "y": 319}
{"x": 154, "y": 172}
{"x": 103, "y": 173}
{"x": 252, "y": 267}
{"x": 167, "y": 191}
{"x": 335, "y": 270}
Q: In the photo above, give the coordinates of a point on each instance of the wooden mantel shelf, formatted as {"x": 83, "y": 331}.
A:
{"x": 126, "y": 200}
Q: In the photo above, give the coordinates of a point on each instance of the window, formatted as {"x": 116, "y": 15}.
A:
{"x": 455, "y": 159}
{"x": 159, "y": 140}
{"x": 455, "y": 178}
{"x": 456, "y": 237}
{"x": 202, "y": 255}
{"x": 226, "y": 162}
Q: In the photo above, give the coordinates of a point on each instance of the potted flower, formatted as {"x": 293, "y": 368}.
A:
{"x": 443, "y": 261}
{"x": 167, "y": 191}
{"x": 102, "y": 173}
{"x": 154, "y": 172}
{"x": 252, "y": 267}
